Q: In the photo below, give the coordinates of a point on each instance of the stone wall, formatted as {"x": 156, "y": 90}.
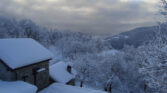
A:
{"x": 25, "y": 74}
{"x": 31, "y": 74}
{"x": 6, "y": 73}
{"x": 71, "y": 82}
{"x": 43, "y": 76}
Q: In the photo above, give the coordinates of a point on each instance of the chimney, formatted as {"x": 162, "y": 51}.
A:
{"x": 69, "y": 68}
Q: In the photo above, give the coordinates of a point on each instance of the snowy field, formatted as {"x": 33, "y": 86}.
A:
{"x": 60, "y": 88}
{"x": 17, "y": 87}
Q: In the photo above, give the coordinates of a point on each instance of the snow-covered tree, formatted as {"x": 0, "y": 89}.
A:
{"x": 153, "y": 66}
{"x": 153, "y": 56}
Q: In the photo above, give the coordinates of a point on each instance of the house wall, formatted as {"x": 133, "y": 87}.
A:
{"x": 43, "y": 76}
{"x": 71, "y": 82}
{"x": 31, "y": 75}
{"x": 25, "y": 74}
{"x": 5, "y": 73}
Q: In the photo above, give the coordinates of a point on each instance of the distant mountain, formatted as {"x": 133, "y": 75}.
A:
{"x": 135, "y": 37}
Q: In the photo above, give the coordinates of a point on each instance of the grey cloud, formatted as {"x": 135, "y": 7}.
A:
{"x": 99, "y": 17}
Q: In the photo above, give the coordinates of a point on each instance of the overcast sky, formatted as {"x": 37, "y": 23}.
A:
{"x": 99, "y": 17}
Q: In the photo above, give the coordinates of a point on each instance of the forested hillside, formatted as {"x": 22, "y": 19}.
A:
{"x": 135, "y": 37}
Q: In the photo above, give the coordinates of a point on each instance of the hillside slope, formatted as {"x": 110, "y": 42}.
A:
{"x": 134, "y": 37}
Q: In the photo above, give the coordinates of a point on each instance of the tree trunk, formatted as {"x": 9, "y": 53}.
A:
{"x": 81, "y": 84}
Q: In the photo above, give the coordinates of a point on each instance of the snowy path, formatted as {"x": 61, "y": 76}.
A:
{"x": 60, "y": 88}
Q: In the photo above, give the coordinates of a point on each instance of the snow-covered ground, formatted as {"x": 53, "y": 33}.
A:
{"x": 112, "y": 52}
{"x": 17, "y": 87}
{"x": 60, "y": 88}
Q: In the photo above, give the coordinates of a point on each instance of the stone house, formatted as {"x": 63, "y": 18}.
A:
{"x": 26, "y": 60}
{"x": 63, "y": 72}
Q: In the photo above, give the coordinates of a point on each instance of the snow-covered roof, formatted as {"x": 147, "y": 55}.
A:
{"x": 22, "y": 52}
{"x": 59, "y": 72}
{"x": 17, "y": 87}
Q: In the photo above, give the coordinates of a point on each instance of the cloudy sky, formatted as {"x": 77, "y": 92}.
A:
{"x": 99, "y": 17}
